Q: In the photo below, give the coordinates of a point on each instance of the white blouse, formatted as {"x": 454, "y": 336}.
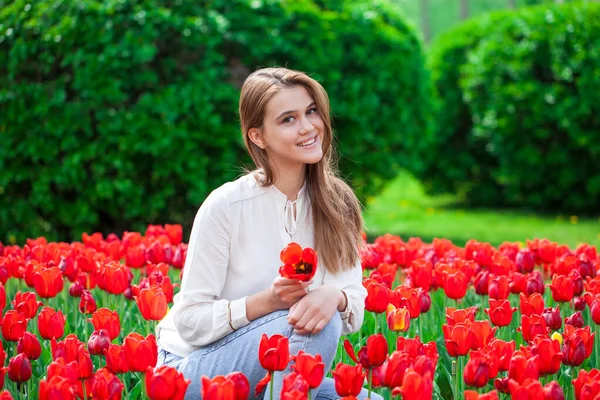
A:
{"x": 237, "y": 236}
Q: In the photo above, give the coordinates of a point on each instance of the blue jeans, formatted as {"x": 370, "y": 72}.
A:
{"x": 238, "y": 351}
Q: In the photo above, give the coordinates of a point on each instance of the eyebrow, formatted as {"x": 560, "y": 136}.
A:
{"x": 293, "y": 111}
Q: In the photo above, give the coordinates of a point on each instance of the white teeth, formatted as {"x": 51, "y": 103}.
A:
{"x": 308, "y": 142}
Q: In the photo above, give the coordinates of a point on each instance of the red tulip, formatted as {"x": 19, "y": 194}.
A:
{"x": 63, "y": 369}
{"x": 30, "y": 346}
{"x": 19, "y": 368}
{"x": 457, "y": 338}
{"x": 106, "y": 386}
{"x": 373, "y": 354}
{"x": 140, "y": 352}
{"x": 481, "y": 282}
{"x": 273, "y": 352}
{"x": 415, "y": 386}
{"x": 165, "y": 383}
{"x": 84, "y": 363}
{"x": 116, "y": 361}
{"x": 298, "y": 263}
{"x": 424, "y": 300}
{"x": 456, "y": 285}
{"x": 421, "y": 273}
{"x": 14, "y": 324}
{"x": 575, "y": 320}
{"x": 98, "y": 342}
{"x": 273, "y": 355}
{"x": 534, "y": 304}
{"x": 174, "y": 232}
{"x": 481, "y": 332}
{"x": 454, "y": 316}
{"x": 587, "y": 382}
{"x": 498, "y": 288}
{"x": 135, "y": 256}
{"x": 76, "y": 289}
{"x": 112, "y": 277}
{"x": 533, "y": 326}
{"x": 394, "y": 368}
{"x": 525, "y": 260}
{"x": 156, "y": 253}
{"x": 57, "y": 387}
{"x": 473, "y": 395}
{"x": 27, "y": 304}
{"x": 152, "y": 303}
{"x": 522, "y": 368}
{"x": 87, "y": 304}
{"x": 51, "y": 324}
{"x": 500, "y": 312}
{"x": 348, "y": 380}
{"x": 234, "y": 386}
{"x": 103, "y": 318}
{"x": 48, "y": 282}
{"x": 295, "y": 384}
{"x": 549, "y": 354}
{"x": 378, "y": 296}
{"x": 552, "y": 318}
{"x": 553, "y": 391}
{"x": 67, "y": 349}
{"x": 477, "y": 371}
{"x": 562, "y": 287}
{"x": 398, "y": 319}
{"x": 409, "y": 298}
{"x": 310, "y": 367}
{"x": 577, "y": 346}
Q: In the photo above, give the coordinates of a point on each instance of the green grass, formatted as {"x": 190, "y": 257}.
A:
{"x": 403, "y": 209}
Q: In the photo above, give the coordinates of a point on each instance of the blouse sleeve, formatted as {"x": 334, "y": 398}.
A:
{"x": 350, "y": 282}
{"x": 201, "y": 317}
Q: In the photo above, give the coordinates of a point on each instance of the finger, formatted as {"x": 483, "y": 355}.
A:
{"x": 319, "y": 327}
{"x": 310, "y": 325}
{"x": 280, "y": 281}
{"x": 304, "y": 319}
{"x": 294, "y": 317}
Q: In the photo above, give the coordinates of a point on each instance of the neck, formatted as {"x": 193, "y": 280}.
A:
{"x": 289, "y": 181}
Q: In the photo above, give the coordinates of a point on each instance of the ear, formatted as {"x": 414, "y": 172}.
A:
{"x": 256, "y": 136}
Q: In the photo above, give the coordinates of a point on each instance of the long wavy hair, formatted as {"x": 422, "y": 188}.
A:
{"x": 337, "y": 218}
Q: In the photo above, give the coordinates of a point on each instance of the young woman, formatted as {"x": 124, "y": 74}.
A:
{"x": 231, "y": 290}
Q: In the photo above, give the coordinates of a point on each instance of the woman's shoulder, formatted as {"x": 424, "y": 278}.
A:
{"x": 244, "y": 187}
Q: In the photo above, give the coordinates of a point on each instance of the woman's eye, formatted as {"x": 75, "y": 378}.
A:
{"x": 312, "y": 110}
{"x": 287, "y": 119}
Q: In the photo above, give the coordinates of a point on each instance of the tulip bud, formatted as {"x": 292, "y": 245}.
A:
{"x": 19, "y": 368}
{"x": 576, "y": 320}
{"x": 553, "y": 391}
{"x": 579, "y": 304}
{"x": 425, "y": 301}
{"x": 553, "y": 318}
{"x": 525, "y": 260}
{"x": 30, "y": 346}
{"x": 99, "y": 342}
{"x": 87, "y": 305}
{"x": 76, "y": 289}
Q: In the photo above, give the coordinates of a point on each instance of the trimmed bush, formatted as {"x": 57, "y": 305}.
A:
{"x": 116, "y": 114}
{"x": 519, "y": 101}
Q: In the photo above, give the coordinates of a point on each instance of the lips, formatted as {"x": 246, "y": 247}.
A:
{"x": 309, "y": 141}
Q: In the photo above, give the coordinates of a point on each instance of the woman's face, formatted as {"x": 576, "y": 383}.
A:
{"x": 293, "y": 129}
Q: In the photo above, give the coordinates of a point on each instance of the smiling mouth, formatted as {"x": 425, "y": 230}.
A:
{"x": 308, "y": 142}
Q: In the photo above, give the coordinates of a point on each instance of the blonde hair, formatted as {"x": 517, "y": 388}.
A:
{"x": 337, "y": 218}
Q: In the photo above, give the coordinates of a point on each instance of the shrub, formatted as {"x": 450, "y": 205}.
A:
{"x": 116, "y": 114}
{"x": 518, "y": 98}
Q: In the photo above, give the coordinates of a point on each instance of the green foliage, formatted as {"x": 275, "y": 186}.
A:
{"x": 518, "y": 99}
{"x": 115, "y": 114}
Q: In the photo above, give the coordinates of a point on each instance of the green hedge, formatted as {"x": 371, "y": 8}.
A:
{"x": 115, "y": 114}
{"x": 518, "y": 105}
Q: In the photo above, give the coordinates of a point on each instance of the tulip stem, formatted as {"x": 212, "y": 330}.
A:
{"x": 272, "y": 383}
{"x": 370, "y": 381}
{"x": 376, "y": 324}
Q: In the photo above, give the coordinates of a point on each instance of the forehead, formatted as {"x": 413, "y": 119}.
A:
{"x": 289, "y": 99}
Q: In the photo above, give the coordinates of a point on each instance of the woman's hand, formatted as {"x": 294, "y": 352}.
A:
{"x": 313, "y": 312}
{"x": 284, "y": 293}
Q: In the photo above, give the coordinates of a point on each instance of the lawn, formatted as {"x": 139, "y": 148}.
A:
{"x": 403, "y": 209}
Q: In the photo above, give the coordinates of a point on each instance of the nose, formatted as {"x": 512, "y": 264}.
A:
{"x": 306, "y": 126}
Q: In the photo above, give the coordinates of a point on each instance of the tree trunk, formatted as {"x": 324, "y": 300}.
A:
{"x": 425, "y": 23}
{"x": 512, "y": 4}
{"x": 559, "y": 1}
{"x": 464, "y": 9}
